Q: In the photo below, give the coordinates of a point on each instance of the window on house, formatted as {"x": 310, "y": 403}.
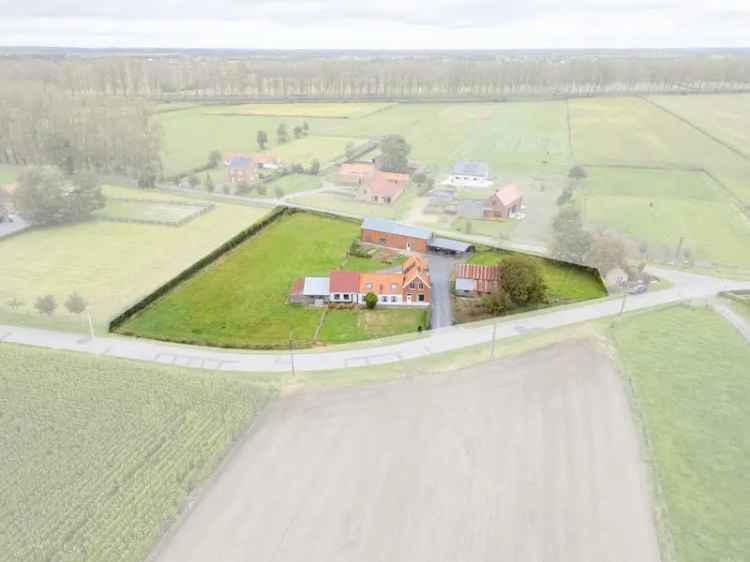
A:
{"x": 384, "y": 299}
{"x": 394, "y": 299}
{"x": 382, "y": 241}
{"x": 421, "y": 285}
{"x": 394, "y": 286}
{"x": 420, "y": 298}
{"x": 411, "y": 285}
{"x": 368, "y": 285}
{"x": 336, "y": 296}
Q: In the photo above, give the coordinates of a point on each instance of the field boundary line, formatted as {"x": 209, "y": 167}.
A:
{"x": 698, "y": 128}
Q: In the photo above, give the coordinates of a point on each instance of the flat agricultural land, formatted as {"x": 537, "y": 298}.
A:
{"x": 509, "y": 460}
{"x": 327, "y": 110}
{"x": 634, "y": 131}
{"x": 190, "y": 135}
{"x": 8, "y": 174}
{"x": 293, "y": 184}
{"x": 689, "y": 372}
{"x": 111, "y": 265}
{"x": 660, "y": 207}
{"x": 158, "y": 212}
{"x": 565, "y": 282}
{"x": 99, "y": 455}
{"x": 241, "y": 299}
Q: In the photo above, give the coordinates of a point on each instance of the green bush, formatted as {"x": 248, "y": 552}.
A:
{"x": 371, "y": 300}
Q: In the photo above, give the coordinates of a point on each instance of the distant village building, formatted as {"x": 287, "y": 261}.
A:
{"x": 502, "y": 204}
{"x": 505, "y": 203}
{"x": 266, "y": 162}
{"x": 410, "y": 238}
{"x": 476, "y": 280}
{"x": 470, "y": 173}
{"x": 374, "y": 185}
{"x": 240, "y": 168}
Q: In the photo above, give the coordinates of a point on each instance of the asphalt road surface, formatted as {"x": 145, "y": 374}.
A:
{"x": 533, "y": 458}
{"x": 440, "y": 293}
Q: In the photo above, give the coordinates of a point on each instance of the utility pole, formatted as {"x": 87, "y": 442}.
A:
{"x": 291, "y": 353}
{"x": 494, "y": 333}
{"x": 91, "y": 324}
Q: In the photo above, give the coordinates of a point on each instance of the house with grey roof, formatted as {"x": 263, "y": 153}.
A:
{"x": 470, "y": 173}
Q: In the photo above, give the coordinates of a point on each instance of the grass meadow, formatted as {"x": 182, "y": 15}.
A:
{"x": 110, "y": 264}
{"x": 634, "y": 131}
{"x": 8, "y": 174}
{"x": 688, "y": 369}
{"x": 100, "y": 454}
{"x": 566, "y": 283}
{"x": 241, "y": 299}
{"x": 660, "y": 207}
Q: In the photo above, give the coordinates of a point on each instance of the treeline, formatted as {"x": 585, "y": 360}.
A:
{"x": 186, "y": 77}
{"x": 43, "y": 123}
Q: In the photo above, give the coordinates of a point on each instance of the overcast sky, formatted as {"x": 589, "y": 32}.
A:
{"x": 383, "y": 24}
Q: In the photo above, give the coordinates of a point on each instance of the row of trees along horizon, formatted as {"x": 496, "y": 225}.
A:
{"x": 449, "y": 76}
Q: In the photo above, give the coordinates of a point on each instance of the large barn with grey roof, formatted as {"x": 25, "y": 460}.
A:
{"x": 410, "y": 238}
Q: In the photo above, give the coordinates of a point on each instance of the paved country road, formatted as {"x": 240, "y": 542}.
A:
{"x": 685, "y": 286}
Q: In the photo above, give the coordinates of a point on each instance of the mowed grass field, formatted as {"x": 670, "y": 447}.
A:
{"x": 99, "y": 455}
{"x": 326, "y": 110}
{"x": 508, "y": 136}
{"x": 565, "y": 283}
{"x": 689, "y": 373}
{"x": 660, "y": 207}
{"x": 632, "y": 130}
{"x": 241, "y": 299}
{"x": 110, "y": 264}
{"x": 190, "y": 135}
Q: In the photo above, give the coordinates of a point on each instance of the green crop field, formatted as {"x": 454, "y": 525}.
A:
{"x": 8, "y": 174}
{"x": 565, "y": 283}
{"x": 241, "y": 300}
{"x": 689, "y": 372}
{"x": 99, "y": 455}
{"x": 327, "y": 110}
{"x": 481, "y": 227}
{"x": 660, "y": 207}
{"x": 110, "y": 264}
{"x": 294, "y": 184}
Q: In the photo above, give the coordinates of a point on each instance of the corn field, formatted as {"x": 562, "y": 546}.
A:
{"x": 98, "y": 456}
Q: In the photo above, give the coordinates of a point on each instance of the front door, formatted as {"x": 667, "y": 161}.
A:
{"x": 408, "y": 246}
{"x": 408, "y": 298}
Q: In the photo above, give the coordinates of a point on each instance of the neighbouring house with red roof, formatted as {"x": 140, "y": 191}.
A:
{"x": 476, "y": 280}
{"x": 240, "y": 168}
{"x": 266, "y": 162}
{"x": 504, "y": 203}
{"x": 409, "y": 287}
{"x": 374, "y": 185}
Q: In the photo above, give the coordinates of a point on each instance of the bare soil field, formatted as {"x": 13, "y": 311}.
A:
{"x": 530, "y": 458}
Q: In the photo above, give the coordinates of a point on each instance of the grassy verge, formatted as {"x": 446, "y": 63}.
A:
{"x": 688, "y": 369}
{"x": 100, "y": 455}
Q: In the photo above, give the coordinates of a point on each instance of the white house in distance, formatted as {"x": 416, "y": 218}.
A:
{"x": 470, "y": 173}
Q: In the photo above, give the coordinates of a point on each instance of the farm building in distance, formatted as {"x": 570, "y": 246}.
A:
{"x": 470, "y": 173}
{"x": 502, "y": 204}
{"x": 390, "y": 234}
{"x": 374, "y": 185}
{"x": 409, "y": 287}
{"x": 476, "y": 280}
{"x": 244, "y": 168}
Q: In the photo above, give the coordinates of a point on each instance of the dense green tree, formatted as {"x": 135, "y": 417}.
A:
{"x": 76, "y": 304}
{"x": 395, "y": 154}
{"x": 214, "y": 158}
{"x": 209, "y": 183}
{"x": 262, "y": 139}
{"x": 44, "y": 196}
{"x": 46, "y": 305}
{"x": 282, "y": 134}
{"x": 577, "y": 173}
{"x": 314, "y": 169}
{"x": 371, "y": 300}
{"x": 193, "y": 181}
{"x": 298, "y": 132}
{"x": 606, "y": 253}
{"x": 571, "y": 242}
{"x": 523, "y": 281}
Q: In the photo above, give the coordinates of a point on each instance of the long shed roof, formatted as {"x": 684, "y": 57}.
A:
{"x": 383, "y": 225}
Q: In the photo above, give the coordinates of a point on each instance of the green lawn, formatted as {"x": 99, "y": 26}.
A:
{"x": 8, "y": 174}
{"x": 660, "y": 207}
{"x": 481, "y": 227}
{"x": 293, "y": 184}
{"x": 689, "y": 373}
{"x": 565, "y": 283}
{"x": 99, "y": 455}
{"x": 742, "y": 307}
{"x": 327, "y": 110}
{"x": 159, "y": 212}
{"x": 112, "y": 265}
{"x": 355, "y": 325}
{"x": 241, "y": 300}
{"x": 351, "y": 205}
